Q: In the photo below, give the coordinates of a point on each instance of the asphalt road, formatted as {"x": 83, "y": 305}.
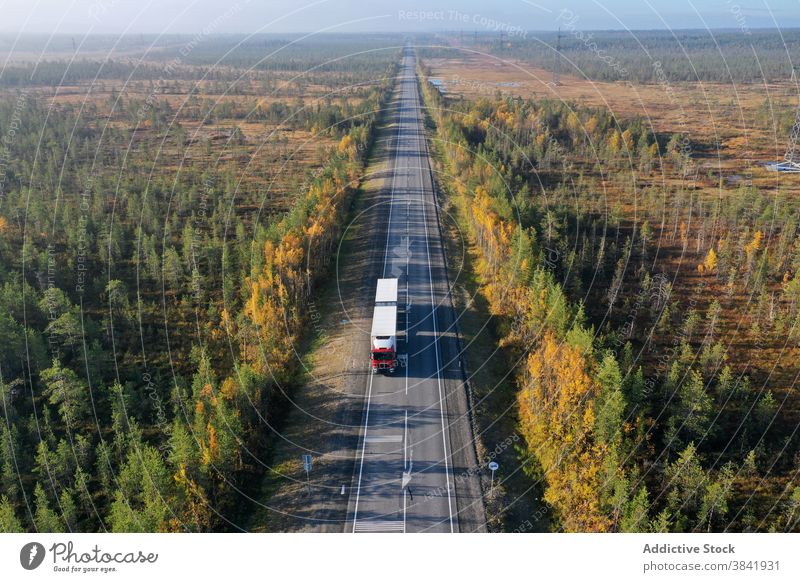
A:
{"x": 404, "y": 477}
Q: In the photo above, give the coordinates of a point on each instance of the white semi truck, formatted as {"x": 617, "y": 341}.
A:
{"x": 383, "y": 338}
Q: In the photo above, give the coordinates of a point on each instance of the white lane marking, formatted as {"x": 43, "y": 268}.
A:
{"x": 385, "y": 254}
{"x": 408, "y": 316}
{"x": 405, "y": 443}
{"x": 379, "y": 526}
{"x": 394, "y": 181}
{"x": 436, "y": 337}
{"x": 390, "y": 438}
{"x": 405, "y": 494}
{"x": 363, "y": 451}
{"x": 405, "y": 455}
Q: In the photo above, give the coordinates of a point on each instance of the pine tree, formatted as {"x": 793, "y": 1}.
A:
{"x": 694, "y": 406}
{"x": 69, "y": 511}
{"x": 661, "y": 523}
{"x": 716, "y": 497}
{"x": 635, "y": 518}
{"x": 764, "y": 412}
{"x": 143, "y": 501}
{"x": 67, "y": 392}
{"x": 686, "y": 482}
{"x": 45, "y": 519}
{"x": 610, "y": 403}
{"x": 8, "y": 519}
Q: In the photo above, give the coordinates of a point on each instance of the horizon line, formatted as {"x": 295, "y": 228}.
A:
{"x": 471, "y": 31}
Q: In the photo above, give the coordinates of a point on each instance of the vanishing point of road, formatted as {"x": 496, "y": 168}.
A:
{"x": 404, "y": 478}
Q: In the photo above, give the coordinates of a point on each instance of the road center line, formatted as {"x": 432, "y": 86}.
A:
{"x": 435, "y": 331}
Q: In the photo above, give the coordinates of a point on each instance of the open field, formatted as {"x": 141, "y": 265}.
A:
{"x": 748, "y": 122}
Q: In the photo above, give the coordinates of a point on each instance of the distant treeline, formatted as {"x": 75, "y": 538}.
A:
{"x": 653, "y": 56}
{"x": 214, "y": 57}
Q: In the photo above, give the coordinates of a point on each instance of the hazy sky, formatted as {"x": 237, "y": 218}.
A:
{"x": 280, "y": 16}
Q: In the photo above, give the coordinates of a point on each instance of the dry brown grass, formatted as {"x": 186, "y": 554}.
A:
{"x": 273, "y": 159}
{"x": 711, "y": 112}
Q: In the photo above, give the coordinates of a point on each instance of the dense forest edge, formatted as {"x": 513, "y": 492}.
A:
{"x": 620, "y": 440}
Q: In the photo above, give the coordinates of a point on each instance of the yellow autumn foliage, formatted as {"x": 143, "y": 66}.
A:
{"x": 710, "y": 263}
{"x": 556, "y": 407}
{"x": 755, "y": 244}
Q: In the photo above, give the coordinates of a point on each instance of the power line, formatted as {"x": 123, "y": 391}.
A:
{"x": 791, "y": 159}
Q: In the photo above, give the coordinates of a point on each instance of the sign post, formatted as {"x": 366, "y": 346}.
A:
{"x": 307, "y": 465}
{"x": 493, "y": 467}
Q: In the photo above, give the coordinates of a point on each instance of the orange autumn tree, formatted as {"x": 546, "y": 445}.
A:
{"x": 347, "y": 146}
{"x": 294, "y": 256}
{"x": 709, "y": 265}
{"x": 556, "y": 406}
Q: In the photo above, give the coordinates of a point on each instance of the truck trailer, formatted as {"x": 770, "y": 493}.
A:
{"x": 383, "y": 338}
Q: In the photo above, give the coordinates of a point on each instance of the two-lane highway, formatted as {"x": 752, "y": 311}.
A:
{"x": 403, "y": 478}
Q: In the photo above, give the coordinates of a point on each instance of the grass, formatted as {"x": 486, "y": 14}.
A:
{"x": 272, "y": 481}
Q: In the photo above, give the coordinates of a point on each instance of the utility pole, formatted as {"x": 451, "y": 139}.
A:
{"x": 557, "y": 61}
{"x": 791, "y": 156}
{"x": 791, "y": 159}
